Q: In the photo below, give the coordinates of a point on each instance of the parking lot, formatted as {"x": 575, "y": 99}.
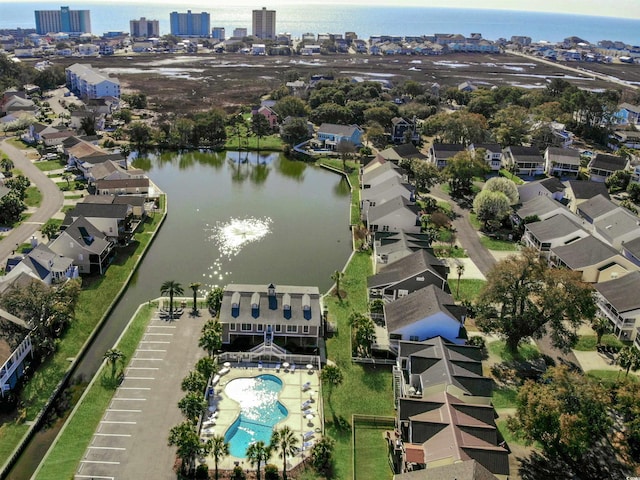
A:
{"x": 131, "y": 439}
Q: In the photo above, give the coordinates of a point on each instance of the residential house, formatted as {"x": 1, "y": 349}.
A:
{"x": 440, "y": 153}
{"x": 396, "y": 215}
{"x": 463, "y": 470}
{"x": 492, "y": 154}
{"x": 624, "y": 138}
{"x": 602, "y": 166}
{"x": 56, "y": 138}
{"x": 542, "y": 207}
{"x": 424, "y": 314}
{"x": 380, "y": 171}
{"x": 596, "y": 208}
{"x": 404, "y": 151}
{"x": 550, "y": 187}
{"x": 579, "y": 191}
{"x": 385, "y": 191}
{"x": 631, "y": 250}
{"x": 618, "y": 227}
{"x": 18, "y": 105}
{"x": 330, "y": 135}
{"x": 285, "y": 315}
{"x": 596, "y": 260}
{"x": 561, "y": 162}
{"x": 269, "y": 114}
{"x": 525, "y": 161}
{"x": 125, "y": 186}
{"x": 552, "y": 232}
{"x": 136, "y": 202}
{"x": 404, "y": 131}
{"x": 15, "y": 351}
{"x": 466, "y": 87}
{"x": 627, "y": 114}
{"x": 388, "y": 247}
{"x": 86, "y": 245}
{"x": 618, "y": 301}
{"x": 113, "y": 220}
{"x": 406, "y": 275}
{"x": 48, "y": 266}
{"x": 87, "y": 82}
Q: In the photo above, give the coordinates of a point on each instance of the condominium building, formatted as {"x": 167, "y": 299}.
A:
{"x": 264, "y": 23}
{"x": 63, "y": 20}
{"x": 87, "y": 82}
{"x": 190, "y": 24}
{"x": 218, "y": 33}
{"x": 144, "y": 28}
{"x": 239, "y": 32}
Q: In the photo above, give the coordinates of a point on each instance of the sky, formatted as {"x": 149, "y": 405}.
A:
{"x": 620, "y": 8}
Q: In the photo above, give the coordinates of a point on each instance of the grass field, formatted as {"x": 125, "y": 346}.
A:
{"x": 68, "y": 451}
{"x": 33, "y": 197}
{"x": 369, "y": 445}
{"x": 48, "y": 165}
{"x": 587, "y": 343}
{"x": 526, "y": 351}
{"x": 469, "y": 288}
{"x": 504, "y": 397}
{"x": 498, "y": 245}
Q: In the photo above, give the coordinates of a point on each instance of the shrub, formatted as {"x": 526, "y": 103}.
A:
{"x": 238, "y": 473}
{"x": 202, "y": 472}
{"x": 271, "y": 472}
{"x": 477, "y": 341}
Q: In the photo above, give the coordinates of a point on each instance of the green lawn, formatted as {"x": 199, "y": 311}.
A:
{"x": 48, "y": 165}
{"x": 75, "y": 438}
{"x": 370, "y": 463}
{"x": 469, "y": 288}
{"x": 517, "y": 180}
{"x": 33, "y": 197}
{"x": 96, "y": 296}
{"x": 445, "y": 207}
{"x": 16, "y": 142}
{"x": 366, "y": 390}
{"x": 587, "y": 343}
{"x": 509, "y": 437}
{"x": 444, "y": 251}
{"x": 526, "y": 351}
{"x": 473, "y": 220}
{"x": 611, "y": 376}
{"x": 504, "y": 397}
{"x": 498, "y": 245}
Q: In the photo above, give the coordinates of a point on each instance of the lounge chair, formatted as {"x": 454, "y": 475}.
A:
{"x": 278, "y": 367}
{"x": 309, "y": 435}
{"x": 305, "y": 405}
{"x": 259, "y": 365}
{"x": 293, "y": 368}
{"x": 308, "y": 411}
{"x": 307, "y": 445}
{"x": 306, "y": 386}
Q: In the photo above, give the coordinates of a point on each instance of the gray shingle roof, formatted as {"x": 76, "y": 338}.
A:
{"x": 393, "y": 205}
{"x": 420, "y": 304}
{"x": 554, "y": 227}
{"x": 86, "y": 235}
{"x": 409, "y": 266}
{"x": 618, "y": 223}
{"x": 584, "y": 189}
{"x": 584, "y": 252}
{"x": 333, "y": 129}
{"x": 597, "y": 206}
{"x": 609, "y": 163}
{"x": 540, "y": 205}
{"x": 622, "y": 293}
{"x": 633, "y": 247}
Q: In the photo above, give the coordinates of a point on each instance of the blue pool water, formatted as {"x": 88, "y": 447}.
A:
{"x": 260, "y": 410}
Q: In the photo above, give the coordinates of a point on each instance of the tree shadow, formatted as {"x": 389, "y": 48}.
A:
{"x": 375, "y": 378}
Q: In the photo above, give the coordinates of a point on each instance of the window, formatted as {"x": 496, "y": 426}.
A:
{"x": 414, "y": 338}
{"x": 260, "y": 327}
{"x": 292, "y": 329}
{"x": 305, "y": 329}
{"x": 232, "y": 327}
{"x": 245, "y": 327}
{"x": 278, "y": 328}
{"x": 403, "y": 293}
{"x": 419, "y": 279}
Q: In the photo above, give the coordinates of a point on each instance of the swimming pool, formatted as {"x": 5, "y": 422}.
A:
{"x": 260, "y": 410}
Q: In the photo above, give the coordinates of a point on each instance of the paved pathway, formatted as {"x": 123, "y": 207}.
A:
{"x": 52, "y": 199}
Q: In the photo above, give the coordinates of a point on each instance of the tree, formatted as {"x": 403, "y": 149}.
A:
{"x": 524, "y": 297}
{"x": 290, "y": 106}
{"x": 18, "y": 186}
{"x": 600, "y": 325}
{"x": 634, "y": 192}
{"x": 67, "y": 176}
{"x": 194, "y": 382}
{"x": 376, "y": 135}
{"x": 207, "y": 366}
{"x": 337, "y": 277}
{"x": 6, "y": 163}
{"x": 11, "y": 208}
{"x": 171, "y": 288}
{"x": 331, "y": 376}
{"x": 364, "y": 333}
{"x": 194, "y": 287}
{"x": 425, "y": 174}
{"x": 50, "y": 229}
{"x": 321, "y": 455}
{"x": 88, "y": 125}
{"x": 139, "y": 134}
{"x": 461, "y": 169}
{"x": 260, "y": 127}
{"x": 211, "y": 337}
{"x": 458, "y": 127}
{"x": 214, "y": 299}
{"x": 504, "y": 185}
{"x": 295, "y": 131}
{"x": 629, "y": 359}
{"x": 459, "y": 271}
{"x": 192, "y": 406}
{"x": 187, "y": 440}
{"x": 257, "y": 454}
{"x": 511, "y": 125}
{"x": 491, "y": 206}
{"x": 566, "y": 413}
{"x": 345, "y": 148}
{"x": 125, "y": 151}
{"x": 284, "y": 441}
{"x": 618, "y": 181}
{"x": 47, "y": 310}
{"x": 113, "y": 356}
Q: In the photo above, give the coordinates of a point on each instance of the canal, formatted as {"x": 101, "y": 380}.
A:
{"x": 234, "y": 217}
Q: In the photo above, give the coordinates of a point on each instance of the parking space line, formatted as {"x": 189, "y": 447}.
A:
{"x": 106, "y": 448}
{"x": 99, "y": 461}
{"x": 120, "y": 410}
{"x": 117, "y": 422}
{"x": 111, "y": 435}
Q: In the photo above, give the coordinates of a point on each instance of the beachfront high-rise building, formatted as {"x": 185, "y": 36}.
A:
{"x": 64, "y": 20}
{"x": 144, "y": 28}
{"x": 264, "y": 23}
{"x": 218, "y": 33}
{"x": 190, "y": 24}
{"x": 239, "y": 32}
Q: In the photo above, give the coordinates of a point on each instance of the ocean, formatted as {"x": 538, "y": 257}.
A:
{"x": 364, "y": 20}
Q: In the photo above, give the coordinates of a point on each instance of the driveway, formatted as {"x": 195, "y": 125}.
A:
{"x": 52, "y": 199}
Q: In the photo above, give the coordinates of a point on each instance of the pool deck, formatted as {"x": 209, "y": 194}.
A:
{"x": 291, "y": 396}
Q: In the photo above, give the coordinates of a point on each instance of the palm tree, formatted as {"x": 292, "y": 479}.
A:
{"x": 629, "y": 359}
{"x": 219, "y": 450}
{"x": 185, "y": 437}
{"x": 211, "y": 337}
{"x": 459, "y": 271}
{"x": 195, "y": 286}
{"x": 125, "y": 151}
{"x": 257, "y": 454}
{"x": 600, "y": 325}
{"x": 193, "y": 406}
{"x": 214, "y": 299}
{"x": 286, "y": 442}
{"x": 332, "y": 376}
{"x": 113, "y": 356}
{"x": 171, "y": 288}
{"x": 6, "y": 164}
{"x": 67, "y": 176}
{"x": 337, "y": 276}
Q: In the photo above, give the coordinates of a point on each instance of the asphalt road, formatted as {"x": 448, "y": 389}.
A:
{"x": 52, "y": 200}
